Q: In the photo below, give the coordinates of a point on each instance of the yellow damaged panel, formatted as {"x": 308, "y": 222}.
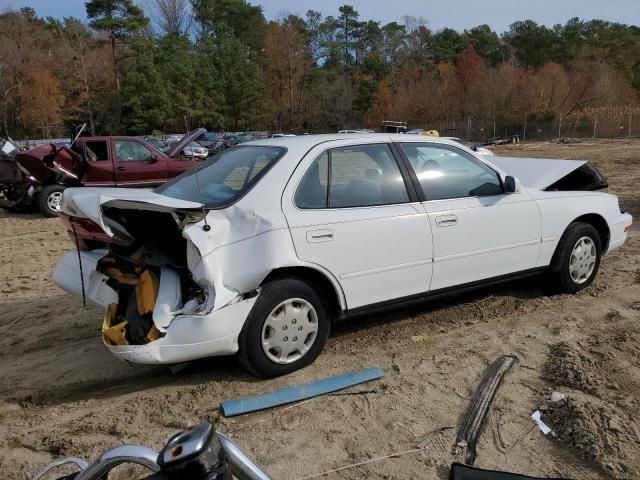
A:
{"x": 123, "y": 278}
{"x": 154, "y": 334}
{"x": 113, "y": 334}
{"x": 147, "y": 292}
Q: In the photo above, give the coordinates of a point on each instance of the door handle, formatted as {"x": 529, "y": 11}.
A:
{"x": 316, "y": 236}
{"x": 121, "y": 169}
{"x": 446, "y": 220}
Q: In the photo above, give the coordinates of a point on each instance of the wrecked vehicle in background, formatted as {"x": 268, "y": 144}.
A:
{"x": 12, "y": 185}
{"x": 40, "y": 175}
{"x": 257, "y": 250}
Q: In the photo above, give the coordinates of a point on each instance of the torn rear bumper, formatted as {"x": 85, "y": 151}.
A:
{"x": 190, "y": 337}
{"x": 186, "y": 336}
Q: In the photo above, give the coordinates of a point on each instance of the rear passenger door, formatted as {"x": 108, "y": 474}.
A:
{"x": 349, "y": 211}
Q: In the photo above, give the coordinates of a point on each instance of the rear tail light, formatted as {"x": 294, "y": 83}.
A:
{"x": 82, "y": 230}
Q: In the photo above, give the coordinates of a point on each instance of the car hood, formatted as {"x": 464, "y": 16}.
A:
{"x": 548, "y": 174}
{"x": 177, "y": 147}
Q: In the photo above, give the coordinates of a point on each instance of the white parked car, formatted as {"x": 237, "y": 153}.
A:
{"x": 194, "y": 149}
{"x": 259, "y": 249}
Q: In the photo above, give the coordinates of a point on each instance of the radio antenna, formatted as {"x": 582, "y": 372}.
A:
{"x": 73, "y": 141}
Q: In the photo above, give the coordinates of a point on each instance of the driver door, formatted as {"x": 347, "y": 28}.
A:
{"x": 136, "y": 166}
{"x": 479, "y": 232}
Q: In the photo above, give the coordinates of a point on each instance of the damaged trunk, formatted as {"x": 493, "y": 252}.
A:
{"x": 147, "y": 268}
{"x": 135, "y": 264}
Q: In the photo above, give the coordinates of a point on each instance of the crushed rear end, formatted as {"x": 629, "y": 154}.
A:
{"x": 140, "y": 256}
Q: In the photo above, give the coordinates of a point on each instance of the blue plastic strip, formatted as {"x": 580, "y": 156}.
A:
{"x": 231, "y": 408}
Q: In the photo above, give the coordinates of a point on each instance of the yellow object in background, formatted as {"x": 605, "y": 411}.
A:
{"x": 147, "y": 292}
{"x": 431, "y": 133}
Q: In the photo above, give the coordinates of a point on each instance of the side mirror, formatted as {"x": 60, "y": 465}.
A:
{"x": 511, "y": 184}
{"x": 153, "y": 159}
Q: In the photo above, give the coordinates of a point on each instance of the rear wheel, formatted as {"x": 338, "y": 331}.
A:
{"x": 49, "y": 200}
{"x": 285, "y": 331}
{"x": 577, "y": 259}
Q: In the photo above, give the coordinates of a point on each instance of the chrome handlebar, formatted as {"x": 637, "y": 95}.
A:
{"x": 242, "y": 466}
{"x": 137, "y": 454}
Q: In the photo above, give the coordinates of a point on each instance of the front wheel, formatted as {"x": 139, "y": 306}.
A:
{"x": 286, "y": 329}
{"x": 49, "y": 200}
{"x": 577, "y": 259}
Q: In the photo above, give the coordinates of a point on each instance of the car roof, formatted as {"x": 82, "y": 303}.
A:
{"x": 306, "y": 142}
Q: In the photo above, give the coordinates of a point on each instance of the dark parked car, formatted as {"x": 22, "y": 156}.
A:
{"x": 208, "y": 139}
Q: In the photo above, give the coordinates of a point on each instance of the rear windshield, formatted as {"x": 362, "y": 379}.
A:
{"x": 224, "y": 178}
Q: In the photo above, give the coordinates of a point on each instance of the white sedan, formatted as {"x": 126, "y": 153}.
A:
{"x": 259, "y": 249}
{"x": 194, "y": 149}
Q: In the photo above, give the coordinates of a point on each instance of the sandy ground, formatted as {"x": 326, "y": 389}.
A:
{"x": 63, "y": 394}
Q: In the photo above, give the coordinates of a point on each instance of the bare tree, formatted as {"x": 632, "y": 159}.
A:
{"x": 170, "y": 16}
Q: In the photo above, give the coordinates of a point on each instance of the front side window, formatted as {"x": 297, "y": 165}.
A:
{"x": 223, "y": 178}
{"x": 128, "y": 151}
{"x": 448, "y": 172}
{"x": 356, "y": 176}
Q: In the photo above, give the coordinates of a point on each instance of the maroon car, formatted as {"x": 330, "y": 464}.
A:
{"x": 40, "y": 175}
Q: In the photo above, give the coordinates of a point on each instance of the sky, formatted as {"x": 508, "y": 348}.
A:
{"x": 457, "y": 14}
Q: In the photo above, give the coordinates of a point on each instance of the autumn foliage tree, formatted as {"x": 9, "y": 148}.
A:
{"x": 40, "y": 101}
{"x": 220, "y": 64}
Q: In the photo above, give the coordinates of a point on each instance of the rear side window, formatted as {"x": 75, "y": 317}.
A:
{"x": 448, "y": 172}
{"x": 312, "y": 191}
{"x": 355, "y": 176}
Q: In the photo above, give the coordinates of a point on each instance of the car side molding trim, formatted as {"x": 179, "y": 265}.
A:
{"x": 487, "y": 250}
{"x": 361, "y": 273}
{"x": 442, "y": 292}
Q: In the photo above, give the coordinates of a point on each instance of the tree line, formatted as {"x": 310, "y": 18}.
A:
{"x": 173, "y": 65}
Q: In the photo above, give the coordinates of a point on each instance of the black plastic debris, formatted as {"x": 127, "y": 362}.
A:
{"x": 465, "y": 472}
{"x": 476, "y": 417}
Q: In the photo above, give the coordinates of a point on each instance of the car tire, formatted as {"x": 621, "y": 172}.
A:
{"x": 288, "y": 315}
{"x": 49, "y": 200}
{"x": 577, "y": 258}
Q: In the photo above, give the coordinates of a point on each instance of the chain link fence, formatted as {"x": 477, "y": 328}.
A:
{"x": 626, "y": 124}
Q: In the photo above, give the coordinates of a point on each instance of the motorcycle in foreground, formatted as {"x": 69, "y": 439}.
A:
{"x": 199, "y": 453}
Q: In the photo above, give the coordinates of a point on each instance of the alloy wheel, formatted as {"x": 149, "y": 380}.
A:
{"x": 54, "y": 201}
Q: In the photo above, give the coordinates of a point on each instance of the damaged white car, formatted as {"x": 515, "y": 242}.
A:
{"x": 260, "y": 248}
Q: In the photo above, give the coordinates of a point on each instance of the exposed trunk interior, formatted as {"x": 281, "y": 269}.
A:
{"x": 149, "y": 272}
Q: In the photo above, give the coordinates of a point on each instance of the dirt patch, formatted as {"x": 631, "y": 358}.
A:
{"x": 568, "y": 367}
{"x": 598, "y": 432}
